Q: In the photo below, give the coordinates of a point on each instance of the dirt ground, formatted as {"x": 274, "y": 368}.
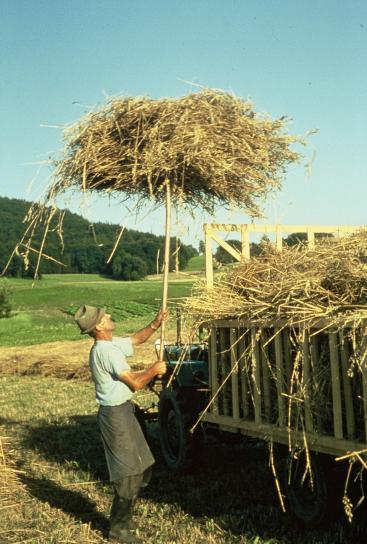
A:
{"x": 68, "y": 359}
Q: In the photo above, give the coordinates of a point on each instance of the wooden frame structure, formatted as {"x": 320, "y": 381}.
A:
{"x": 288, "y": 385}
{"x": 291, "y": 385}
{"x": 245, "y": 230}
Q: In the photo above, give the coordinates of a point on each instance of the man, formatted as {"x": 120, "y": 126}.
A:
{"x": 128, "y": 456}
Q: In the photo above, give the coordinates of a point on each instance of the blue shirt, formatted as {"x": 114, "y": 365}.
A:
{"x": 107, "y": 360}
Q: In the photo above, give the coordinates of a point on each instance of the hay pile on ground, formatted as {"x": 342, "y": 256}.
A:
{"x": 8, "y": 476}
{"x": 297, "y": 285}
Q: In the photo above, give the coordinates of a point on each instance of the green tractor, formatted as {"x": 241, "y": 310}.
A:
{"x": 184, "y": 394}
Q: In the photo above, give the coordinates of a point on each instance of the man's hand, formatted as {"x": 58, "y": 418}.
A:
{"x": 161, "y": 316}
{"x": 160, "y": 368}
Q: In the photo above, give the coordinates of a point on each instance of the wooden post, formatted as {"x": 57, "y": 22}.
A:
{"x": 280, "y": 376}
{"x": 241, "y": 354}
{"x": 213, "y": 369}
{"x": 266, "y": 375}
{"x": 315, "y": 371}
{"x": 245, "y": 242}
{"x": 166, "y": 264}
{"x": 224, "y": 369}
{"x": 256, "y": 374}
{"x": 310, "y": 237}
{"x": 278, "y": 238}
{"x": 335, "y": 385}
{"x": 208, "y": 256}
{"x": 234, "y": 374}
{"x": 364, "y": 375}
{"x": 307, "y": 383}
{"x": 347, "y": 386}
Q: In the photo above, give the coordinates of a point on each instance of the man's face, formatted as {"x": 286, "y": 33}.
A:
{"x": 106, "y": 323}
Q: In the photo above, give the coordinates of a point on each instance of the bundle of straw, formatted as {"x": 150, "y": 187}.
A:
{"x": 297, "y": 285}
{"x": 209, "y": 145}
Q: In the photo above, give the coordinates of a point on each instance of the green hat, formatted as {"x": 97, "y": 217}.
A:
{"x": 87, "y": 317}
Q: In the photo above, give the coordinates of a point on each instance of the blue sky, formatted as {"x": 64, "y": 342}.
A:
{"x": 306, "y": 60}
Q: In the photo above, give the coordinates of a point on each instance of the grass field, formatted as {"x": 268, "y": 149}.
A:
{"x": 61, "y": 494}
{"x": 44, "y": 313}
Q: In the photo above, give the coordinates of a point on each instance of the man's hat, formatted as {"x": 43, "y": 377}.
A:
{"x": 87, "y": 317}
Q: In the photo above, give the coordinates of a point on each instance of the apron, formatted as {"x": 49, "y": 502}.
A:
{"x": 127, "y": 452}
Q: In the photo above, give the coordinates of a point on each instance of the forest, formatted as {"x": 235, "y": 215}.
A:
{"x": 86, "y": 247}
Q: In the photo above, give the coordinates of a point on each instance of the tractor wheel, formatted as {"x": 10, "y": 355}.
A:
{"x": 178, "y": 445}
{"x": 306, "y": 495}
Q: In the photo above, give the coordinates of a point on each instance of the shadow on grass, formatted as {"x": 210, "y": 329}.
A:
{"x": 71, "y": 502}
{"x": 75, "y": 443}
{"x": 231, "y": 484}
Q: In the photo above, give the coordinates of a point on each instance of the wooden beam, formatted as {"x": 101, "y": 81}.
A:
{"x": 213, "y": 369}
{"x": 364, "y": 375}
{"x": 208, "y": 257}
{"x": 224, "y": 369}
{"x": 280, "y": 377}
{"x": 307, "y": 381}
{"x": 241, "y": 353}
{"x": 234, "y": 373}
{"x": 347, "y": 386}
{"x": 335, "y": 384}
{"x": 319, "y": 443}
{"x": 278, "y": 238}
{"x": 245, "y": 242}
{"x": 230, "y": 249}
{"x": 256, "y": 374}
{"x": 264, "y": 352}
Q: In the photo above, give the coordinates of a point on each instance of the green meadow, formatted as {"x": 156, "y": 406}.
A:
{"x": 48, "y": 434}
{"x": 43, "y": 310}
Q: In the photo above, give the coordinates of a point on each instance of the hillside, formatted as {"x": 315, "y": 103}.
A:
{"x": 86, "y": 246}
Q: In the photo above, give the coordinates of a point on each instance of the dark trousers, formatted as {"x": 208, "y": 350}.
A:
{"x": 126, "y": 492}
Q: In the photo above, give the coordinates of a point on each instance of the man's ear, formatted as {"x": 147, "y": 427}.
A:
{"x": 98, "y": 327}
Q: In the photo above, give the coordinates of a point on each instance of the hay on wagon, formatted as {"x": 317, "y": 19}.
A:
{"x": 296, "y": 342}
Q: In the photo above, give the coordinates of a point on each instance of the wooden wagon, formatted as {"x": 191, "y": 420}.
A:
{"x": 301, "y": 388}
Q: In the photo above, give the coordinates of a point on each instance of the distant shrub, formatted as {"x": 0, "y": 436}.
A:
{"x": 5, "y": 302}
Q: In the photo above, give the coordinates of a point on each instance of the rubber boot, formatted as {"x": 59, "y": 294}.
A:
{"x": 120, "y": 528}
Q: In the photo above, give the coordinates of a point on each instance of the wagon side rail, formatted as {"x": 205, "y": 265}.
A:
{"x": 304, "y": 384}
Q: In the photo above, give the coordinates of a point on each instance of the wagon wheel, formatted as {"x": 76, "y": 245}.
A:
{"x": 177, "y": 443}
{"x": 307, "y": 497}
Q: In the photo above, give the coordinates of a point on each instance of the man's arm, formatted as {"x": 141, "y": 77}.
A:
{"x": 144, "y": 334}
{"x": 138, "y": 380}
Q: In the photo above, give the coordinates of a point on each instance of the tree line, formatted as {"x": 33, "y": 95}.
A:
{"x": 86, "y": 247}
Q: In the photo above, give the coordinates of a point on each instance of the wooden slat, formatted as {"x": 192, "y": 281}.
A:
{"x": 287, "y": 355}
{"x": 364, "y": 375}
{"x": 335, "y": 384}
{"x": 224, "y": 369}
{"x": 241, "y": 351}
{"x": 280, "y": 377}
{"x": 245, "y": 242}
{"x": 347, "y": 386}
{"x": 319, "y": 443}
{"x": 264, "y": 351}
{"x": 311, "y": 237}
{"x": 208, "y": 257}
{"x": 278, "y": 237}
{"x": 225, "y": 245}
{"x": 307, "y": 381}
{"x": 256, "y": 374}
{"x": 315, "y": 371}
{"x": 234, "y": 375}
{"x": 213, "y": 370}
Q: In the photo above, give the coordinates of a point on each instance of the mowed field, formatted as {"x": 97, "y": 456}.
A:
{"x": 53, "y": 479}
